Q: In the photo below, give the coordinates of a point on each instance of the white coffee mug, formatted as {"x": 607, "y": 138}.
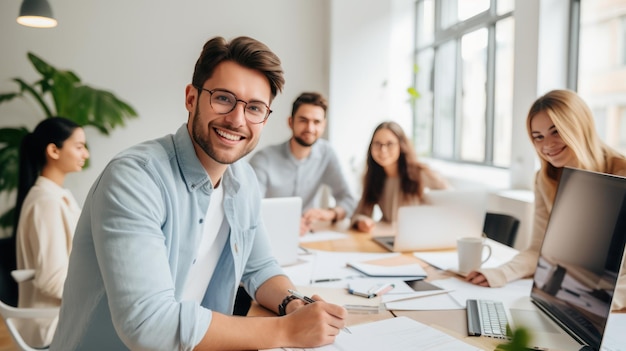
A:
{"x": 470, "y": 252}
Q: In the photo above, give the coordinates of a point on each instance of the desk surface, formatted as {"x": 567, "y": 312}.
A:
{"x": 452, "y": 322}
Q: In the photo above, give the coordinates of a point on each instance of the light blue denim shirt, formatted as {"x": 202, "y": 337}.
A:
{"x": 136, "y": 240}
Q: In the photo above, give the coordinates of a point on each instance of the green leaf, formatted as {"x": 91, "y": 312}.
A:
{"x": 32, "y": 91}
{"x": 413, "y": 93}
{"x": 8, "y": 97}
{"x": 41, "y": 66}
{"x": 520, "y": 340}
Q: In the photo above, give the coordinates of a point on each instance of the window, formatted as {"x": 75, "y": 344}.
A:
{"x": 464, "y": 56}
{"x": 601, "y": 75}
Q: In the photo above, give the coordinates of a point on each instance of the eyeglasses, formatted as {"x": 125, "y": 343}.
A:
{"x": 379, "y": 146}
{"x": 223, "y": 102}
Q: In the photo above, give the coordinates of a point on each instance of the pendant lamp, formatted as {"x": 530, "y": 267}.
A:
{"x": 36, "y": 13}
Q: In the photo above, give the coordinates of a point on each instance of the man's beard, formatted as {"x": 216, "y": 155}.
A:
{"x": 302, "y": 142}
{"x": 205, "y": 144}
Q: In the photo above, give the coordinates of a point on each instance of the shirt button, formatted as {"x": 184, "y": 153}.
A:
{"x": 194, "y": 261}
{"x": 201, "y": 220}
{"x": 236, "y": 248}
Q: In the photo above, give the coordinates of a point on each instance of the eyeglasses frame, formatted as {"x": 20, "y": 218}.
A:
{"x": 245, "y": 103}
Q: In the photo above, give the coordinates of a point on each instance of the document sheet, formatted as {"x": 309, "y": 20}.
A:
{"x": 400, "y": 333}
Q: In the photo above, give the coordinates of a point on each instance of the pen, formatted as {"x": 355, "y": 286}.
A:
{"x": 381, "y": 289}
{"x": 310, "y": 300}
{"x": 300, "y": 296}
{"x": 325, "y": 280}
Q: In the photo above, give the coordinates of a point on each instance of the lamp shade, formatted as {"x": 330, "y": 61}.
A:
{"x": 36, "y": 13}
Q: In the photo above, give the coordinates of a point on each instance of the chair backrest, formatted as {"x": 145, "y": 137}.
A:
{"x": 12, "y": 314}
{"x": 8, "y": 286}
{"x": 501, "y": 227}
{"x": 9, "y": 292}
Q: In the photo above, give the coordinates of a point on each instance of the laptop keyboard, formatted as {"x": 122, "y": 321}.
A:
{"x": 486, "y": 318}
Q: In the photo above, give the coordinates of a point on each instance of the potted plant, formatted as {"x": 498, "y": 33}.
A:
{"x": 56, "y": 93}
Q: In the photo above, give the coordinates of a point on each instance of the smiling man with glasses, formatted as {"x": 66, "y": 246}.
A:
{"x": 172, "y": 226}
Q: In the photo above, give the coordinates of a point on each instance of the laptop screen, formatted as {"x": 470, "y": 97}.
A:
{"x": 582, "y": 253}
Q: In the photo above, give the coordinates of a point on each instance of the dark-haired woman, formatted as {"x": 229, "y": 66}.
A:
{"x": 393, "y": 177}
{"x": 46, "y": 216}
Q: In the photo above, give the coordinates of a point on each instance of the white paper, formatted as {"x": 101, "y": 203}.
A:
{"x": 400, "y": 333}
{"x": 426, "y": 303}
{"x": 462, "y": 290}
{"x": 324, "y": 235}
{"x": 329, "y": 267}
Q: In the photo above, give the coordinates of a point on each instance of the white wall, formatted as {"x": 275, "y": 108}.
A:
{"x": 145, "y": 50}
{"x": 358, "y": 54}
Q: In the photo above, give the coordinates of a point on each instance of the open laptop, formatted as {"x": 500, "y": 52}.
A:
{"x": 281, "y": 217}
{"x": 445, "y": 216}
{"x": 580, "y": 260}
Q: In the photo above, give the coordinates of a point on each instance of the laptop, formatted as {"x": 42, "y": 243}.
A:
{"x": 281, "y": 217}
{"x": 579, "y": 262}
{"x": 444, "y": 216}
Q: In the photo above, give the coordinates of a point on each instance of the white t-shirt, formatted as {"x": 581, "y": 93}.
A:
{"x": 209, "y": 250}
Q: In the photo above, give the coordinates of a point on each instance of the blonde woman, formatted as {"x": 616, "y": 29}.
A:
{"x": 46, "y": 216}
{"x": 561, "y": 128}
{"x": 393, "y": 177}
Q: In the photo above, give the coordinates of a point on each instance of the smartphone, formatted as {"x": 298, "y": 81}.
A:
{"x": 421, "y": 285}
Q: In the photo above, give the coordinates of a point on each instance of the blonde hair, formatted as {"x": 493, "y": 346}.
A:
{"x": 574, "y": 122}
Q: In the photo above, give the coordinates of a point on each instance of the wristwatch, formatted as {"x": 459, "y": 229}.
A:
{"x": 282, "y": 308}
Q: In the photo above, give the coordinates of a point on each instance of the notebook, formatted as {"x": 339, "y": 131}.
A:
{"x": 580, "y": 260}
{"x": 445, "y": 216}
{"x": 281, "y": 217}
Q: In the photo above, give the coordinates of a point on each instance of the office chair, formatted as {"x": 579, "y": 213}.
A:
{"x": 11, "y": 314}
{"x": 501, "y": 227}
{"x": 8, "y": 286}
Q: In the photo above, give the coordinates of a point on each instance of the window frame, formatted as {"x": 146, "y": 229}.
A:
{"x": 454, "y": 33}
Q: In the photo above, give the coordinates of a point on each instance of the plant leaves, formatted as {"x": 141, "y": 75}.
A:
{"x": 58, "y": 93}
{"x": 10, "y": 140}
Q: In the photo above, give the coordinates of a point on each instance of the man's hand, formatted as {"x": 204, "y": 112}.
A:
{"x": 313, "y": 324}
{"x": 477, "y": 279}
{"x": 365, "y": 225}
{"x": 316, "y": 214}
{"x": 319, "y": 214}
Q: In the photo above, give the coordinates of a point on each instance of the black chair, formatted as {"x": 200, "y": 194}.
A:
{"x": 8, "y": 286}
{"x": 501, "y": 227}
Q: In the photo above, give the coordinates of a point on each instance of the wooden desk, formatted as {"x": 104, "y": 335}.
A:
{"x": 452, "y": 322}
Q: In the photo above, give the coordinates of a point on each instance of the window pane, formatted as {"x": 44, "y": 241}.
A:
{"x": 445, "y": 78}
{"x": 601, "y": 70}
{"x": 454, "y": 11}
{"x": 474, "y": 98}
{"x": 424, "y": 105}
{"x": 505, "y": 6}
{"x": 503, "y": 95}
{"x": 425, "y": 22}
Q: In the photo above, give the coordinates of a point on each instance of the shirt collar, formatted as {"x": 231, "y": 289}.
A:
{"x": 194, "y": 175}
